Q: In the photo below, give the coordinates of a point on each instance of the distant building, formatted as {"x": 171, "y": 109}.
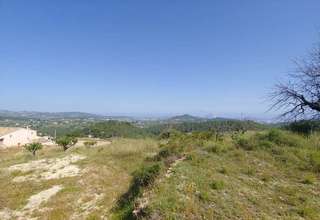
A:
{"x": 10, "y": 136}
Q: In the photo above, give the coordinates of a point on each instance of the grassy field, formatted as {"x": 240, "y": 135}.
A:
{"x": 267, "y": 175}
{"x": 271, "y": 174}
{"x": 104, "y": 175}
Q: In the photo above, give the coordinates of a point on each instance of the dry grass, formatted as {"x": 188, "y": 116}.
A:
{"x": 106, "y": 174}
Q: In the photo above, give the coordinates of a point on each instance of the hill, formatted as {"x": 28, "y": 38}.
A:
{"x": 258, "y": 175}
{"x": 185, "y": 118}
{"x": 48, "y": 115}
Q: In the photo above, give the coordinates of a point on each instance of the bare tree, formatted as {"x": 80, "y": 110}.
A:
{"x": 299, "y": 98}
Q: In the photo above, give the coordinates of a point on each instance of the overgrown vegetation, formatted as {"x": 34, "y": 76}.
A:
{"x": 265, "y": 174}
{"x": 304, "y": 127}
{"x": 90, "y": 143}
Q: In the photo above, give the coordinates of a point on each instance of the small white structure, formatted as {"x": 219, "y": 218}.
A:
{"x": 10, "y": 137}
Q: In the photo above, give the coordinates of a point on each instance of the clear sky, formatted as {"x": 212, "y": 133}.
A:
{"x": 160, "y": 56}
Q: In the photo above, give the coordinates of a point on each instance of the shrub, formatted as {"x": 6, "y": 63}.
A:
{"x": 163, "y": 153}
{"x": 204, "y": 196}
{"x": 217, "y": 185}
{"x": 219, "y": 137}
{"x": 304, "y": 127}
{"x": 282, "y": 138}
{"x": 245, "y": 144}
{"x": 146, "y": 175}
{"x": 314, "y": 140}
{"x": 204, "y": 135}
{"x": 215, "y": 148}
{"x": 315, "y": 161}
{"x": 90, "y": 143}
{"x": 309, "y": 179}
{"x": 266, "y": 144}
{"x": 141, "y": 178}
{"x": 250, "y": 171}
{"x": 33, "y": 147}
{"x": 307, "y": 212}
{"x": 223, "y": 170}
{"x": 171, "y": 133}
{"x": 164, "y": 135}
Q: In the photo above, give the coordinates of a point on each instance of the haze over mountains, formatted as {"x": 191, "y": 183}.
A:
{"x": 83, "y": 115}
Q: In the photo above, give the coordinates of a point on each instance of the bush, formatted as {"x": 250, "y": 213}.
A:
{"x": 217, "y": 185}
{"x": 223, "y": 170}
{"x": 141, "y": 178}
{"x": 204, "y": 196}
{"x": 146, "y": 175}
{"x": 204, "y": 135}
{"x": 90, "y": 143}
{"x": 215, "y": 148}
{"x": 282, "y": 138}
{"x": 315, "y": 161}
{"x": 304, "y": 127}
{"x": 266, "y": 144}
{"x": 245, "y": 144}
{"x": 309, "y": 179}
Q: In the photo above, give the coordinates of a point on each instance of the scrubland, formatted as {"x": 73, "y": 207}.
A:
{"x": 90, "y": 183}
{"x": 269, "y": 174}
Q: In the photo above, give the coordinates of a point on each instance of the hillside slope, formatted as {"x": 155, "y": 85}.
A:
{"x": 267, "y": 175}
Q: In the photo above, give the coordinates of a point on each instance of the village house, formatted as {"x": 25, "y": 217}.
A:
{"x": 11, "y": 136}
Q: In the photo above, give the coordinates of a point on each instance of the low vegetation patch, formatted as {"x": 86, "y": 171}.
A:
{"x": 255, "y": 175}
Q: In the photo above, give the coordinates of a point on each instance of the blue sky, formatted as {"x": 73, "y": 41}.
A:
{"x": 153, "y": 57}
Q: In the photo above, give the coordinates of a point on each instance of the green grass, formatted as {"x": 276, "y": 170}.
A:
{"x": 269, "y": 175}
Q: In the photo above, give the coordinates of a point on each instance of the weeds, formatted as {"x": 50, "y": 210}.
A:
{"x": 217, "y": 185}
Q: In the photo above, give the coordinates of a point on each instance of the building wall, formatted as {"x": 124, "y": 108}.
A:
{"x": 19, "y": 137}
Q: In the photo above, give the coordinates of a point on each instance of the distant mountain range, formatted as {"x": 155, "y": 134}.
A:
{"x": 83, "y": 115}
{"x": 186, "y": 118}
{"x": 48, "y": 115}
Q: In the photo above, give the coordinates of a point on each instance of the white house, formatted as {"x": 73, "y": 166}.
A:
{"x": 10, "y": 137}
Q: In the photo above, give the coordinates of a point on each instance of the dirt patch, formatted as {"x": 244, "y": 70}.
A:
{"x": 34, "y": 203}
{"x": 47, "y": 169}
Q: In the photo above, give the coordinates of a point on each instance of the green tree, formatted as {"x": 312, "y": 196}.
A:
{"x": 33, "y": 147}
{"x": 66, "y": 142}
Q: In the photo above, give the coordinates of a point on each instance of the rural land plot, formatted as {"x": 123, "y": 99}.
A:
{"x": 81, "y": 183}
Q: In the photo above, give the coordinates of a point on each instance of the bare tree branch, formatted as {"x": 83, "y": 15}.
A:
{"x": 299, "y": 98}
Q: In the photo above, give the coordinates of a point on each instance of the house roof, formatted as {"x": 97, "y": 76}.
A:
{"x": 7, "y": 130}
